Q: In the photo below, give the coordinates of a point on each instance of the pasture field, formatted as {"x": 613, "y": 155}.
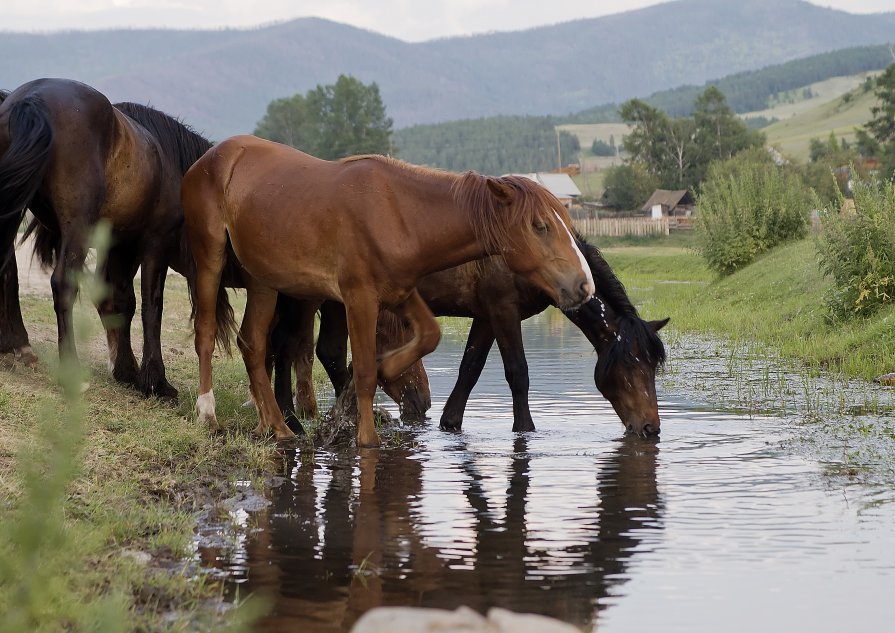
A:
{"x": 842, "y": 115}
{"x": 777, "y": 301}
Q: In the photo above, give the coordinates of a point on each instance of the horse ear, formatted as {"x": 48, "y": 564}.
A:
{"x": 658, "y": 325}
{"x": 500, "y": 190}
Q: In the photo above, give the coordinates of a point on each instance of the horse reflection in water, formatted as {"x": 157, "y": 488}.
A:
{"x": 335, "y": 545}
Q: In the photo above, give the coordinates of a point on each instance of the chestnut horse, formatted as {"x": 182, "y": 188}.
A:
{"x": 629, "y": 350}
{"x": 74, "y": 159}
{"x": 362, "y": 231}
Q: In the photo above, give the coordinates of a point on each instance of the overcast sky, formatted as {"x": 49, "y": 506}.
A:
{"x": 409, "y": 20}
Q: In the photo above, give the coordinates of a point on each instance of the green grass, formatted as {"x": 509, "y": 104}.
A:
{"x": 777, "y": 301}
{"x": 144, "y": 468}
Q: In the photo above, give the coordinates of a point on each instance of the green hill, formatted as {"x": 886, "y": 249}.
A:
{"x": 841, "y": 115}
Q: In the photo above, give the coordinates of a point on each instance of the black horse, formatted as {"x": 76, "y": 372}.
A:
{"x": 75, "y": 160}
{"x": 629, "y": 350}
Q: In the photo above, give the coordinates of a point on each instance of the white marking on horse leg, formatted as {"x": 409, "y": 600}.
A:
{"x": 591, "y": 286}
{"x": 205, "y": 409}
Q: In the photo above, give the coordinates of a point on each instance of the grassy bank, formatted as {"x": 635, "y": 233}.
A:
{"x": 115, "y": 550}
{"x": 777, "y": 301}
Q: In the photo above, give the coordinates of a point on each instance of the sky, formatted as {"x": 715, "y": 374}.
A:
{"x": 409, "y": 20}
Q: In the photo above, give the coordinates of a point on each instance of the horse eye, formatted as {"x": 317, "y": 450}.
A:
{"x": 540, "y": 226}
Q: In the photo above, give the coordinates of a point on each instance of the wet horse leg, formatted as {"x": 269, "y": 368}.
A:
{"x": 303, "y": 360}
{"x": 152, "y": 379}
{"x": 478, "y": 344}
{"x": 261, "y": 303}
{"x": 117, "y": 310}
{"x": 362, "y": 310}
{"x": 292, "y": 345}
{"x": 332, "y": 344}
{"x": 508, "y": 332}
{"x": 426, "y": 335}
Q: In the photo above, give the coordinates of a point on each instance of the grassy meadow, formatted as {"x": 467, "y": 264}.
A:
{"x": 113, "y": 549}
{"x": 777, "y": 301}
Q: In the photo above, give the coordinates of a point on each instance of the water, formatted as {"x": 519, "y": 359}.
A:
{"x": 721, "y": 526}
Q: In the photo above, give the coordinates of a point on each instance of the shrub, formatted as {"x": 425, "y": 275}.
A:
{"x": 749, "y": 205}
{"x": 857, "y": 250}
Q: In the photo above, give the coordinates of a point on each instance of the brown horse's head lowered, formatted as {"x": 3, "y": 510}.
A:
{"x": 534, "y": 236}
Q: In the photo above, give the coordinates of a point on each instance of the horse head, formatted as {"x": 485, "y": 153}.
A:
{"x": 517, "y": 218}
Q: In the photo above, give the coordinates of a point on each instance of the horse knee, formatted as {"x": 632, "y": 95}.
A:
{"x": 517, "y": 376}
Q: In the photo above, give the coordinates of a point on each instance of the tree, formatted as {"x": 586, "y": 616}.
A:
{"x": 877, "y": 137}
{"x": 628, "y": 186}
{"x": 678, "y": 151}
{"x": 331, "y": 121}
{"x": 664, "y": 146}
{"x": 719, "y": 132}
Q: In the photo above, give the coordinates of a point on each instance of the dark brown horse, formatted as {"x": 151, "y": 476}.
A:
{"x": 629, "y": 350}
{"x": 74, "y": 160}
{"x": 362, "y": 231}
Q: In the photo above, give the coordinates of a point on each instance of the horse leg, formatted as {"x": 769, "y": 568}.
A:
{"x": 117, "y": 312}
{"x": 13, "y": 335}
{"x": 362, "y": 310}
{"x": 426, "y": 335}
{"x": 152, "y": 380}
{"x": 515, "y": 367}
{"x": 209, "y": 251}
{"x": 261, "y": 304}
{"x": 302, "y": 354}
{"x": 478, "y": 344}
{"x": 64, "y": 283}
{"x": 332, "y": 344}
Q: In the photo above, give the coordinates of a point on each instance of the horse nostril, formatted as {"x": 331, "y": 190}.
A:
{"x": 630, "y": 428}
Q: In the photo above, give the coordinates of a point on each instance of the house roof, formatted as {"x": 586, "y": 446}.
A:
{"x": 668, "y": 198}
{"x": 560, "y": 185}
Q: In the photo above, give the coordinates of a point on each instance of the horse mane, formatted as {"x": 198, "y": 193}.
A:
{"x": 490, "y": 219}
{"x": 632, "y": 331}
{"x": 179, "y": 142}
{"x": 3, "y": 95}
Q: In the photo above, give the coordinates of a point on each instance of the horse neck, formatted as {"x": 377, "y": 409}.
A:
{"x": 441, "y": 228}
{"x": 598, "y": 322}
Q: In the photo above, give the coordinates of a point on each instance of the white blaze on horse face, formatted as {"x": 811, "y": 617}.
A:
{"x": 591, "y": 286}
{"x": 205, "y": 407}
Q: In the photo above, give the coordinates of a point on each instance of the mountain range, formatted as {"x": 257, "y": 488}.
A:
{"x": 220, "y": 82}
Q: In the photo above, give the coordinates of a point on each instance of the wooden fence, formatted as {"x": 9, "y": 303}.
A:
{"x": 622, "y": 227}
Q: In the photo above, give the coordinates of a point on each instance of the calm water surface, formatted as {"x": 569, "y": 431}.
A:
{"x": 720, "y": 526}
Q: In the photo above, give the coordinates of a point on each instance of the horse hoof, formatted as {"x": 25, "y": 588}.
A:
{"x": 25, "y": 356}
{"x": 450, "y": 424}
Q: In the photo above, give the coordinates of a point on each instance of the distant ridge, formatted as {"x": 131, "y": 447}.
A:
{"x": 221, "y": 81}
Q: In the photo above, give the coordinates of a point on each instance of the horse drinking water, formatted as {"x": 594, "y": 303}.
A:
{"x": 361, "y": 231}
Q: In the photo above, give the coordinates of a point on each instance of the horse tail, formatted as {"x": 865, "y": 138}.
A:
{"x": 24, "y": 165}
{"x": 46, "y": 242}
{"x": 223, "y": 310}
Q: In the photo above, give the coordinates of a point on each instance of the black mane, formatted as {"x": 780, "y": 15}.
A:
{"x": 633, "y": 332}
{"x": 179, "y": 142}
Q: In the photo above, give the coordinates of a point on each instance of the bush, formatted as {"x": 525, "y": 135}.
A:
{"x": 857, "y": 250}
{"x": 749, "y": 205}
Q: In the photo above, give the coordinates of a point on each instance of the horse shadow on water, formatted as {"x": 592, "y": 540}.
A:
{"x": 349, "y": 531}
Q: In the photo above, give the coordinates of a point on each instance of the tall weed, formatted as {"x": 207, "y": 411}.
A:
{"x": 749, "y": 205}
{"x": 857, "y": 250}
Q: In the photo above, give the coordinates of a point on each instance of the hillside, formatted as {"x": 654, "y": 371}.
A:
{"x": 221, "y": 81}
{"x": 841, "y": 115}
